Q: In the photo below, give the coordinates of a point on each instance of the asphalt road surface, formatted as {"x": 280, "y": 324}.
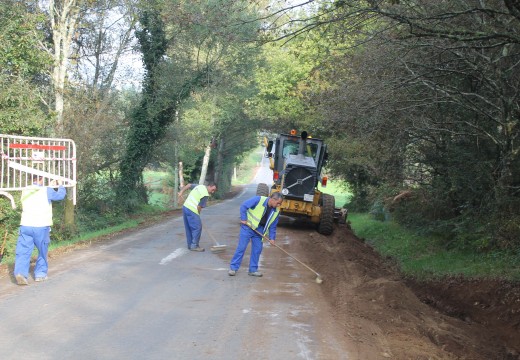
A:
{"x": 143, "y": 295}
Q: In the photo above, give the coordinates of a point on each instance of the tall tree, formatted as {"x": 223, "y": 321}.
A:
{"x": 64, "y": 17}
{"x": 201, "y": 40}
{"x": 104, "y": 43}
{"x": 157, "y": 109}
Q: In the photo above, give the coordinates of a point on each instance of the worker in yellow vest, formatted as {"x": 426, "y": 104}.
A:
{"x": 35, "y": 227}
{"x": 196, "y": 201}
{"x": 258, "y": 213}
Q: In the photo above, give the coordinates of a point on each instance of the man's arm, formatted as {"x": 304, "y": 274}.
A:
{"x": 56, "y": 195}
{"x": 186, "y": 187}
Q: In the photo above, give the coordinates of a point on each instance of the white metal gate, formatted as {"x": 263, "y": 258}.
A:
{"x": 23, "y": 157}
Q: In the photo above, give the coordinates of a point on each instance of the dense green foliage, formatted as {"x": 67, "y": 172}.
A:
{"x": 419, "y": 103}
{"x": 146, "y": 127}
{"x": 425, "y": 256}
{"x": 196, "y": 82}
{"x": 23, "y": 67}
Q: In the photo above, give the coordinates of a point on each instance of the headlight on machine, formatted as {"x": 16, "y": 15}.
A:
{"x": 285, "y": 191}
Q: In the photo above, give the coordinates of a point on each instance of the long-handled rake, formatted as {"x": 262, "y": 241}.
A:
{"x": 217, "y": 248}
{"x": 319, "y": 280}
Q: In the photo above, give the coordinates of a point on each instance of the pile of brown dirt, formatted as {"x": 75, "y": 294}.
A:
{"x": 454, "y": 318}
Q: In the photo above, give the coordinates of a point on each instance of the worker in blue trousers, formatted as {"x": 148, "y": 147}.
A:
{"x": 35, "y": 228}
{"x": 191, "y": 209}
{"x": 258, "y": 213}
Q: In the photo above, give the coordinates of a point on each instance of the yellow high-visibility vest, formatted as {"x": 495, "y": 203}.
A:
{"x": 195, "y": 196}
{"x": 255, "y": 215}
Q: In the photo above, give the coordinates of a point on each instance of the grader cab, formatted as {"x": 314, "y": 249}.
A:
{"x": 297, "y": 161}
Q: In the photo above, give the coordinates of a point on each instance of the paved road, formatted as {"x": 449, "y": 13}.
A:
{"x": 145, "y": 296}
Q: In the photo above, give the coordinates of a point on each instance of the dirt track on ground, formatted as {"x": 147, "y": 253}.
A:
{"x": 375, "y": 306}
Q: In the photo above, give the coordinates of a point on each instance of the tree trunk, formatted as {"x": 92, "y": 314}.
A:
{"x": 64, "y": 19}
{"x": 68, "y": 216}
{"x": 181, "y": 175}
{"x": 205, "y": 163}
{"x": 219, "y": 169}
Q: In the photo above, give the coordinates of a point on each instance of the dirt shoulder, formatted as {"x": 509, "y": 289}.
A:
{"x": 449, "y": 319}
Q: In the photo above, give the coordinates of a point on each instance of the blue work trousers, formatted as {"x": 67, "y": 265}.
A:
{"x": 28, "y": 238}
{"x": 193, "y": 227}
{"x": 247, "y": 234}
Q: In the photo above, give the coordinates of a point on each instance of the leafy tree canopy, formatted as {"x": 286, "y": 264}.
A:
{"x": 23, "y": 67}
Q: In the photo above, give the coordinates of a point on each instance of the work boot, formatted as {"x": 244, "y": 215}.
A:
{"x": 198, "y": 248}
{"x": 255, "y": 273}
{"x": 21, "y": 280}
{"x": 41, "y": 278}
{"x": 231, "y": 272}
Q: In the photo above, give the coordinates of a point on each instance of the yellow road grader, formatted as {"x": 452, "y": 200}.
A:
{"x": 297, "y": 161}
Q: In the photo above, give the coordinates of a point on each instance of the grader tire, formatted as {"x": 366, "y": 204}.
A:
{"x": 326, "y": 225}
{"x": 262, "y": 190}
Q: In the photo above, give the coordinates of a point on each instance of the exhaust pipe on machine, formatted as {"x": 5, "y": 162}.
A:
{"x": 303, "y": 143}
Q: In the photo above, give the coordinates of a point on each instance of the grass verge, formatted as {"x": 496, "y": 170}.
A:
{"x": 421, "y": 256}
{"x": 147, "y": 215}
